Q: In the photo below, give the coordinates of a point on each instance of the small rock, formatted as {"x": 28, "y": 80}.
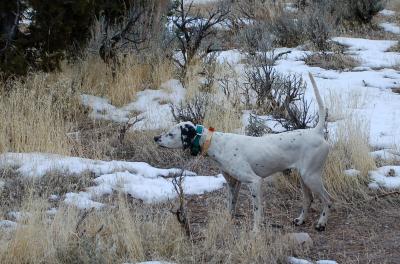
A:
{"x": 391, "y": 173}
{"x": 302, "y": 239}
{"x": 396, "y": 90}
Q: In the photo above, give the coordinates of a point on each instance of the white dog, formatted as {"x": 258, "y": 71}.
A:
{"x": 245, "y": 159}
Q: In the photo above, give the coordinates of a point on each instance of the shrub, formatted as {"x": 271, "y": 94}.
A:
{"x": 194, "y": 35}
{"x": 361, "y": 10}
{"x": 288, "y": 32}
{"x": 318, "y": 26}
{"x": 276, "y": 94}
{"x": 292, "y": 110}
{"x": 256, "y": 126}
{"x": 262, "y": 79}
{"x": 193, "y": 110}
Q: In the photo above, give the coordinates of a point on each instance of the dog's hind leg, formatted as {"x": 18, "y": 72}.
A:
{"x": 325, "y": 198}
{"x": 233, "y": 193}
{"x": 314, "y": 182}
{"x": 307, "y": 200}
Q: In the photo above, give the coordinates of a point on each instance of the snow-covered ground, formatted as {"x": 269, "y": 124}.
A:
{"x": 153, "y": 106}
{"x": 137, "y": 179}
{"x": 386, "y": 12}
{"x": 390, "y": 27}
{"x": 385, "y": 177}
{"x": 386, "y": 154}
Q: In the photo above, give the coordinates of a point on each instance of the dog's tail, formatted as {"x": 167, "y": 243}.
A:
{"x": 321, "y": 108}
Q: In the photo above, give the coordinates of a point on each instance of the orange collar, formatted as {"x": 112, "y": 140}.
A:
{"x": 207, "y": 143}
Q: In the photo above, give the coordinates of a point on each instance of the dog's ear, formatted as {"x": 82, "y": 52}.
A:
{"x": 188, "y": 132}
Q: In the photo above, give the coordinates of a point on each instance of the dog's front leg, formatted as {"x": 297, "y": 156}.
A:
{"x": 233, "y": 193}
{"x": 255, "y": 190}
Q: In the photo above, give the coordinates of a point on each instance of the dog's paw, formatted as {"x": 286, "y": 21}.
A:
{"x": 320, "y": 227}
{"x": 298, "y": 221}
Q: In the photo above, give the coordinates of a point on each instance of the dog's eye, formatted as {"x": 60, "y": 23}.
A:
{"x": 170, "y": 135}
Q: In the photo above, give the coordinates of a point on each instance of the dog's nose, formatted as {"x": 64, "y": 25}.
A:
{"x": 157, "y": 138}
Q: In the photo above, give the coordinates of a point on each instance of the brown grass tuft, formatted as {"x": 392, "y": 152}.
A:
{"x": 131, "y": 234}
{"x": 37, "y": 114}
{"x": 331, "y": 61}
{"x": 131, "y": 76}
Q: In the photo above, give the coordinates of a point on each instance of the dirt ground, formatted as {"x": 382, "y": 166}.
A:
{"x": 368, "y": 232}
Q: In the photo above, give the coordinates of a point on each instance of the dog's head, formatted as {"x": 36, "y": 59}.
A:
{"x": 179, "y": 136}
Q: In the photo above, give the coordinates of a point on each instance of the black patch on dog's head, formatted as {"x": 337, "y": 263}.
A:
{"x": 188, "y": 133}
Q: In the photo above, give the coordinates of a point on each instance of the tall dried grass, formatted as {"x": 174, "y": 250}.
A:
{"x": 131, "y": 76}
{"x": 126, "y": 234}
{"x": 37, "y": 113}
{"x": 350, "y": 149}
{"x": 223, "y": 117}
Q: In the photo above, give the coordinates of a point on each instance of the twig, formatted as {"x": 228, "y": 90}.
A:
{"x": 386, "y": 194}
{"x": 127, "y": 126}
{"x": 181, "y": 213}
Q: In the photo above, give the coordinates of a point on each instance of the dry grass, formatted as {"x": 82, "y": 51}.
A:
{"x": 342, "y": 103}
{"x": 349, "y": 150}
{"x": 131, "y": 76}
{"x": 223, "y": 118}
{"x": 331, "y": 61}
{"x": 130, "y": 234}
{"x": 37, "y": 113}
{"x": 220, "y": 114}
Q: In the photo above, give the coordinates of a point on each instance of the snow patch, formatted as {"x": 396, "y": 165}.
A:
{"x": 82, "y": 200}
{"x": 138, "y": 179}
{"x": 352, "y": 173}
{"x": 149, "y": 190}
{"x": 293, "y": 260}
{"x": 387, "y": 177}
{"x": 373, "y": 53}
{"x": 390, "y": 27}
{"x": 386, "y": 12}
{"x": 7, "y": 225}
{"x": 19, "y": 216}
{"x": 385, "y": 154}
{"x": 39, "y": 164}
{"x": 153, "y": 106}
